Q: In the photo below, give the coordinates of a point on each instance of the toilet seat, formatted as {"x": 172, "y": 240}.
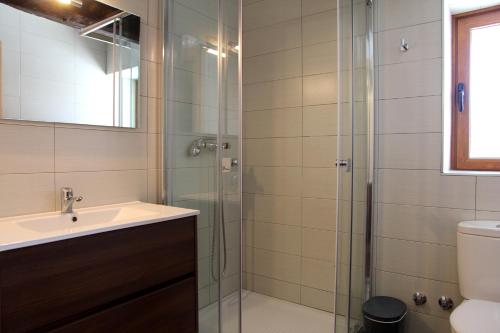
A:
{"x": 473, "y": 316}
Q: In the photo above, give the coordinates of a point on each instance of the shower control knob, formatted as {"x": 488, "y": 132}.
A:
{"x": 446, "y": 303}
{"x": 419, "y": 298}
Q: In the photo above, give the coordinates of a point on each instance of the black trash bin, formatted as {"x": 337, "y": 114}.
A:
{"x": 384, "y": 314}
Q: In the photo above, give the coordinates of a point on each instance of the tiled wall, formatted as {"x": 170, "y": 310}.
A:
{"x": 105, "y": 165}
{"x": 290, "y": 128}
{"x": 418, "y": 208}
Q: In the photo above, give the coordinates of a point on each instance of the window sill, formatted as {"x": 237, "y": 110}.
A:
{"x": 470, "y": 173}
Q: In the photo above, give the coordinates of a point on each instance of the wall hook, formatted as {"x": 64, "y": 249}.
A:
{"x": 404, "y": 45}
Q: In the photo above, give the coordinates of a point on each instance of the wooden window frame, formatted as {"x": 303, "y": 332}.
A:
{"x": 461, "y": 26}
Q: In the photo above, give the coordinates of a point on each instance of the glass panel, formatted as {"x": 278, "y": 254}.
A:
{"x": 356, "y": 182}
{"x": 204, "y": 148}
{"x": 484, "y": 103}
{"x": 192, "y": 125}
{"x": 230, "y": 187}
{"x": 344, "y": 178}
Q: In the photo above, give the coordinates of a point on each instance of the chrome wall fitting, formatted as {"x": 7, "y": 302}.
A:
{"x": 446, "y": 303}
{"x": 419, "y": 298}
{"x": 404, "y": 45}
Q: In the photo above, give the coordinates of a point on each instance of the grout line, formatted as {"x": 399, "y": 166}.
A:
{"x": 301, "y": 273}
{"x": 415, "y": 276}
{"x": 302, "y": 76}
{"x": 392, "y": 64}
{"x": 408, "y": 26}
{"x": 415, "y": 241}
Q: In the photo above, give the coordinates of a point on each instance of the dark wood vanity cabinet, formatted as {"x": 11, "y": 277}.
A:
{"x": 140, "y": 279}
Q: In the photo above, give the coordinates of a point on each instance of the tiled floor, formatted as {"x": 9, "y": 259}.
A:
{"x": 263, "y": 314}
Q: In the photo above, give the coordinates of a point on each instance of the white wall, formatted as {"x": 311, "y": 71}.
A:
{"x": 105, "y": 165}
{"x": 418, "y": 208}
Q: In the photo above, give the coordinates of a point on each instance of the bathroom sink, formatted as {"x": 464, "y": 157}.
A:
{"x": 22, "y": 231}
{"x": 84, "y": 218}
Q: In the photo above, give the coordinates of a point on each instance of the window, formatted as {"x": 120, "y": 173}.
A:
{"x": 476, "y": 90}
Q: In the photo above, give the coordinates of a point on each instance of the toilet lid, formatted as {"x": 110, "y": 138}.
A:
{"x": 475, "y": 316}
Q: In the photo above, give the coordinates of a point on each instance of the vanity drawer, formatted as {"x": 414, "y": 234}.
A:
{"x": 172, "y": 309}
{"x": 49, "y": 285}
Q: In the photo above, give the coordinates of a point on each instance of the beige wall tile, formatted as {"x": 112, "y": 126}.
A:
{"x": 154, "y": 187}
{"x": 272, "y": 208}
{"x": 426, "y": 188}
{"x": 421, "y": 323}
{"x": 273, "y": 152}
{"x": 318, "y": 244}
{"x": 320, "y": 183}
{"x": 274, "y": 38}
{"x": 425, "y": 79}
{"x": 319, "y": 213}
{"x": 317, "y": 6}
{"x": 273, "y": 123}
{"x": 318, "y": 274}
{"x": 276, "y": 237}
{"x": 488, "y": 189}
{"x": 320, "y": 120}
{"x": 320, "y": 58}
{"x": 26, "y": 149}
{"x": 273, "y": 95}
{"x": 319, "y": 151}
{"x": 315, "y": 298}
{"x": 26, "y": 193}
{"x": 268, "y": 12}
{"x": 274, "y": 288}
{"x": 277, "y": 265}
{"x": 320, "y": 89}
{"x": 486, "y": 215}
{"x": 394, "y": 13}
{"x": 320, "y": 28}
{"x": 410, "y": 151}
{"x": 92, "y": 150}
{"x": 273, "y": 66}
{"x": 425, "y": 260}
{"x": 410, "y": 115}
{"x": 424, "y": 224}
{"x": 273, "y": 180}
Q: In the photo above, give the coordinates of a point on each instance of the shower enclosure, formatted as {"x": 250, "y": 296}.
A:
{"x": 203, "y": 145}
{"x": 204, "y": 50}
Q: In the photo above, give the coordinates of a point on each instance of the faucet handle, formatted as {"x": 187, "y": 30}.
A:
{"x": 79, "y": 198}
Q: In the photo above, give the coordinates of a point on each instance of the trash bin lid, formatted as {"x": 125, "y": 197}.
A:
{"x": 385, "y": 309}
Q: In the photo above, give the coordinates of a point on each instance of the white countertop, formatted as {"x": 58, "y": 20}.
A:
{"x": 27, "y": 230}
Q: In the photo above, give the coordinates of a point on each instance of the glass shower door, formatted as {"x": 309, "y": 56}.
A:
{"x": 203, "y": 145}
{"x": 356, "y": 130}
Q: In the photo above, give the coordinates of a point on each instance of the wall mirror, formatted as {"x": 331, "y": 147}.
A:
{"x": 69, "y": 61}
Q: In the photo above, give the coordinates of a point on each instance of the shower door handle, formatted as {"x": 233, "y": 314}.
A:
{"x": 344, "y": 164}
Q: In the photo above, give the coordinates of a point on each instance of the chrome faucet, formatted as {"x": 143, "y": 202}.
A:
{"x": 67, "y": 200}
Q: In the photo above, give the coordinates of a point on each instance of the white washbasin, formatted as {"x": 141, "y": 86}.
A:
{"x": 27, "y": 230}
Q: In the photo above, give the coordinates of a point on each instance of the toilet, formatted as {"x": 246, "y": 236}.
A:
{"x": 478, "y": 246}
